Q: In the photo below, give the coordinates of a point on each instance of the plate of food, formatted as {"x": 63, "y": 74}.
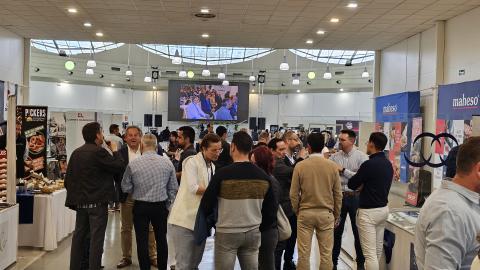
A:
{"x": 36, "y": 143}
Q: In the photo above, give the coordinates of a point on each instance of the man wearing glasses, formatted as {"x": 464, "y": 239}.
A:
{"x": 348, "y": 159}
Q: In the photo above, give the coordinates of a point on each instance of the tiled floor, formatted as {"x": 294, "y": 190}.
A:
{"x": 34, "y": 259}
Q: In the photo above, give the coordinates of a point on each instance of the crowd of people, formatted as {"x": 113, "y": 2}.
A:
{"x": 205, "y": 102}
{"x": 173, "y": 201}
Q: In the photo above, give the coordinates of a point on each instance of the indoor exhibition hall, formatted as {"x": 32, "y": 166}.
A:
{"x": 230, "y": 134}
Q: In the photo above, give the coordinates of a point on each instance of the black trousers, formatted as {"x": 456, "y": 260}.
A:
{"x": 288, "y": 245}
{"x": 156, "y": 213}
{"x": 349, "y": 207}
{"x": 90, "y": 229}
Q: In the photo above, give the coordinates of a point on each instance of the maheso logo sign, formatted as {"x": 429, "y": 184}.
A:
{"x": 465, "y": 102}
{"x": 390, "y": 109}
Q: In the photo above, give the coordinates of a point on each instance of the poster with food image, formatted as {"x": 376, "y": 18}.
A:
{"x": 415, "y": 156}
{"x": 33, "y": 122}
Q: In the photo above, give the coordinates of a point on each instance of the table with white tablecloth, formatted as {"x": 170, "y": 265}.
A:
{"x": 52, "y": 222}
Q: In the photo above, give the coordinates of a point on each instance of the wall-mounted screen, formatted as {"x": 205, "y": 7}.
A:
{"x": 207, "y": 100}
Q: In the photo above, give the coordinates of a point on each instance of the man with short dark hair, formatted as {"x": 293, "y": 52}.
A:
{"x": 89, "y": 184}
{"x": 224, "y": 159}
{"x": 243, "y": 196}
{"x": 348, "y": 160}
{"x": 448, "y": 226}
{"x": 186, "y": 138}
{"x": 316, "y": 196}
{"x": 374, "y": 178}
{"x": 114, "y": 136}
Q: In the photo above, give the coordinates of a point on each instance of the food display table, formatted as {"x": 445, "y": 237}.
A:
{"x": 52, "y": 222}
{"x": 8, "y": 236}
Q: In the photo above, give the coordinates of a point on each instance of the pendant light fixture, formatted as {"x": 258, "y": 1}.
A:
{"x": 225, "y": 81}
{"x": 148, "y": 78}
{"x": 327, "y": 75}
{"x": 311, "y": 74}
{"x": 89, "y": 71}
{"x": 190, "y": 74}
{"x": 182, "y": 73}
{"x": 91, "y": 63}
{"x": 177, "y": 60}
{"x": 129, "y": 71}
{"x": 284, "y": 65}
{"x": 365, "y": 73}
{"x": 221, "y": 75}
{"x": 206, "y": 71}
{"x": 296, "y": 79}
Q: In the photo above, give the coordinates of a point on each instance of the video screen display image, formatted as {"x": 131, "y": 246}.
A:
{"x": 207, "y": 101}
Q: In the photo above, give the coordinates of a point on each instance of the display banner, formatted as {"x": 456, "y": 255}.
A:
{"x": 74, "y": 123}
{"x": 415, "y": 156}
{"x": 395, "y": 115}
{"x": 397, "y": 107}
{"x": 457, "y": 103}
{"x": 33, "y": 122}
{"x": 57, "y": 131}
{"x": 347, "y": 124}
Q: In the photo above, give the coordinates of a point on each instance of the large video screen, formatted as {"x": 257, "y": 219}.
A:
{"x": 207, "y": 101}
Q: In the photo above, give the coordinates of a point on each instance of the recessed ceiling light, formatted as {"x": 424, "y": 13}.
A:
{"x": 334, "y": 20}
{"x": 99, "y": 34}
{"x": 352, "y": 5}
{"x": 72, "y": 10}
{"x": 112, "y": 85}
{"x": 341, "y": 89}
{"x": 205, "y": 35}
{"x": 298, "y": 90}
{"x": 320, "y": 32}
{"x": 309, "y": 41}
{"x": 87, "y": 24}
{"x": 204, "y": 10}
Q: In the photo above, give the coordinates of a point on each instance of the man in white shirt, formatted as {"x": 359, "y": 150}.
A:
{"x": 114, "y": 136}
{"x": 133, "y": 136}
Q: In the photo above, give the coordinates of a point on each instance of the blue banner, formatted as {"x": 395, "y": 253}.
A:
{"x": 397, "y": 107}
{"x": 459, "y": 101}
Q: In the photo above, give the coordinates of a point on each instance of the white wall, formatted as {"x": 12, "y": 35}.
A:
{"x": 11, "y": 57}
{"x": 294, "y": 109}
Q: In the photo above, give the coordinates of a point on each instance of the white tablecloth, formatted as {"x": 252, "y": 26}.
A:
{"x": 8, "y": 236}
{"x": 52, "y": 222}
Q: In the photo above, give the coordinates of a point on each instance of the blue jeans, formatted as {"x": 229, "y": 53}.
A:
{"x": 350, "y": 207}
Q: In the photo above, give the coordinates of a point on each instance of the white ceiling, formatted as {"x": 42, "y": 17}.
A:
{"x": 375, "y": 24}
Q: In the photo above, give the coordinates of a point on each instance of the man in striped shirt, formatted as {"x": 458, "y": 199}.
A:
{"x": 348, "y": 159}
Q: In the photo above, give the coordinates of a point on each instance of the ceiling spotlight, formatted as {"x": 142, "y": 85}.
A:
{"x": 309, "y": 41}
{"x": 89, "y": 71}
{"x": 190, "y": 74}
{"x": 36, "y": 69}
{"x": 320, "y": 32}
{"x": 112, "y": 85}
{"x": 298, "y": 90}
{"x": 154, "y": 88}
{"x": 311, "y": 75}
{"x": 341, "y": 89}
{"x": 91, "y": 63}
{"x": 365, "y": 73}
{"x": 327, "y": 75}
{"x": 339, "y": 81}
{"x": 205, "y": 35}
{"x": 206, "y": 72}
{"x": 284, "y": 65}
{"x": 128, "y": 72}
{"x": 99, "y": 34}
{"x": 87, "y": 24}
{"x": 72, "y": 10}
{"x": 69, "y": 65}
{"x": 147, "y": 79}
{"x": 253, "y": 90}
{"x": 70, "y": 73}
{"x": 254, "y": 84}
{"x": 127, "y": 79}
{"x": 177, "y": 60}
{"x": 252, "y": 78}
{"x": 352, "y": 5}
{"x": 295, "y": 81}
{"x": 225, "y": 83}
{"x": 101, "y": 76}
{"x": 283, "y": 84}
{"x": 309, "y": 83}
{"x": 204, "y": 10}
{"x": 334, "y": 20}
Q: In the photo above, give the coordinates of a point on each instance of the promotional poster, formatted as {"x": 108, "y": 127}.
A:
{"x": 57, "y": 129}
{"x": 415, "y": 156}
{"x": 33, "y": 123}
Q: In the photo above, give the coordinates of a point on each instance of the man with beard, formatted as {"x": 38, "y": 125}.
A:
{"x": 186, "y": 138}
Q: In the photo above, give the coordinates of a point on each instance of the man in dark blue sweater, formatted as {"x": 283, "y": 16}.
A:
{"x": 374, "y": 179}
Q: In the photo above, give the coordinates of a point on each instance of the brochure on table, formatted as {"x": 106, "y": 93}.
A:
{"x": 457, "y": 103}
{"x": 398, "y": 117}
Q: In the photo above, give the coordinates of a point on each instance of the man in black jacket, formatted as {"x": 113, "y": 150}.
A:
{"x": 224, "y": 159}
{"x": 283, "y": 172}
{"x": 89, "y": 184}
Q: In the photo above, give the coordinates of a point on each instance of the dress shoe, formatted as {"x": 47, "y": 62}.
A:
{"x": 289, "y": 266}
{"x": 153, "y": 262}
{"x": 172, "y": 267}
{"x": 360, "y": 266}
{"x": 124, "y": 263}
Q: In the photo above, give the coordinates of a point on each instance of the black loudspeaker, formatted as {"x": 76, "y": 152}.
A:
{"x": 252, "y": 123}
{"x": 424, "y": 186}
{"x": 147, "y": 120}
{"x": 158, "y": 120}
{"x": 261, "y": 123}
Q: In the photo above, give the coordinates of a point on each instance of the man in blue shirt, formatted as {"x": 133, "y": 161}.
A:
{"x": 151, "y": 180}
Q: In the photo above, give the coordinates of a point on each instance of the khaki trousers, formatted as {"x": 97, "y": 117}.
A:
{"x": 322, "y": 223}
{"x": 126, "y": 210}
